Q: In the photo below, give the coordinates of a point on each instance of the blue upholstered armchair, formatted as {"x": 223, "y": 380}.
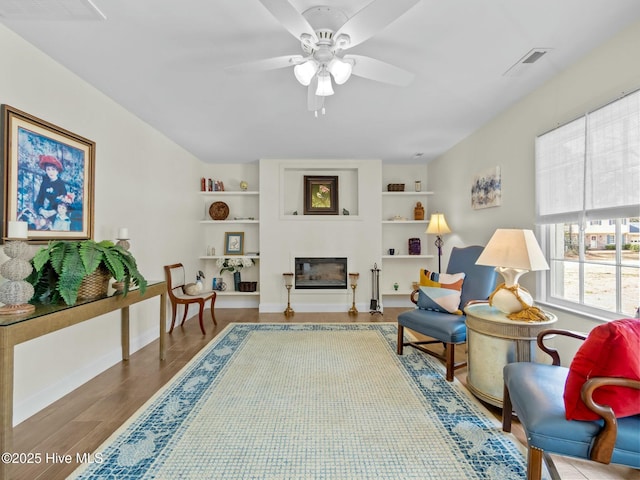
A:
{"x": 447, "y": 328}
{"x": 537, "y": 394}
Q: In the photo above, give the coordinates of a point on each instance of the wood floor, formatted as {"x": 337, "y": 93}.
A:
{"x": 82, "y": 420}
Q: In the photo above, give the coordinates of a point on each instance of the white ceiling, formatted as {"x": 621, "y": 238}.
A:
{"x": 164, "y": 60}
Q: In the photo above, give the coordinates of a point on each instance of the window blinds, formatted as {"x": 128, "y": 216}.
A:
{"x": 590, "y": 168}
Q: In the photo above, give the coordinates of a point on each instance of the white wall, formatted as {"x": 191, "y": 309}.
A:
{"x": 508, "y": 141}
{"x": 284, "y": 236}
{"x": 143, "y": 182}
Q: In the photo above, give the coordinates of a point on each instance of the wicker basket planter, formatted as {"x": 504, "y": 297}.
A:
{"x": 395, "y": 187}
{"x": 94, "y": 285}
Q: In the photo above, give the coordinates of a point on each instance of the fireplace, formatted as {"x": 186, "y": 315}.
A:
{"x": 320, "y": 273}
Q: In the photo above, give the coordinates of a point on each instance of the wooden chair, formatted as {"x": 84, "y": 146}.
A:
{"x": 534, "y": 391}
{"x": 175, "y": 288}
{"x": 447, "y": 328}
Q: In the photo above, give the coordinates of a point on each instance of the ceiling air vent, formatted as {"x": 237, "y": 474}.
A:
{"x": 50, "y": 10}
{"x": 525, "y": 62}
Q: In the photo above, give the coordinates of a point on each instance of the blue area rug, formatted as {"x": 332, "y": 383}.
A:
{"x": 309, "y": 401}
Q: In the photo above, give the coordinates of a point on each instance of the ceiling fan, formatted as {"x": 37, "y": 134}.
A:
{"x": 325, "y": 33}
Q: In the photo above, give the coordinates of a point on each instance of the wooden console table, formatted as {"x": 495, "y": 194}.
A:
{"x": 16, "y": 329}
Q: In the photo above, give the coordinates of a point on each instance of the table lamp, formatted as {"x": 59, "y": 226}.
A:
{"x": 438, "y": 226}
{"x": 514, "y": 252}
{"x": 15, "y": 293}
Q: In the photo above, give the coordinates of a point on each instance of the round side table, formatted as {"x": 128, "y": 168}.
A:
{"x": 493, "y": 340}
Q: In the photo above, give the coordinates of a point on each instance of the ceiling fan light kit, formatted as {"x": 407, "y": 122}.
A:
{"x": 304, "y": 72}
{"x": 340, "y": 69}
{"x": 324, "y": 84}
{"x": 324, "y": 33}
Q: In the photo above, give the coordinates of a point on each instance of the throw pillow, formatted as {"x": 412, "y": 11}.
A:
{"x": 610, "y": 350}
{"x": 440, "y": 291}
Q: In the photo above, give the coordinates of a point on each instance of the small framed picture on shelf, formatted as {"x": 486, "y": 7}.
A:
{"x": 234, "y": 243}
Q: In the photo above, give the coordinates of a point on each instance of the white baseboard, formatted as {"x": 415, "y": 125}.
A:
{"x": 45, "y": 397}
{"x": 311, "y": 307}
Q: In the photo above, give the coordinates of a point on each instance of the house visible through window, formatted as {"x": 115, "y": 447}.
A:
{"x": 588, "y": 209}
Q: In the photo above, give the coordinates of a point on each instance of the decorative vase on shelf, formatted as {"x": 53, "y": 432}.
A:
{"x": 418, "y": 212}
{"x": 236, "y": 281}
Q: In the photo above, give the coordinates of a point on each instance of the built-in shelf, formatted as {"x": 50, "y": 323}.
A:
{"x": 227, "y": 192}
{"x": 244, "y": 216}
{"x": 218, "y": 222}
{"x": 227, "y": 293}
{"x": 399, "y": 194}
{"x": 400, "y": 222}
{"x": 215, "y": 257}
{"x": 401, "y": 293}
{"x": 322, "y": 218}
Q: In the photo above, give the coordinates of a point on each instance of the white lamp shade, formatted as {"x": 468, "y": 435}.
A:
{"x": 304, "y": 72}
{"x": 324, "y": 85}
{"x": 437, "y": 225}
{"x": 340, "y": 70}
{"x": 513, "y": 248}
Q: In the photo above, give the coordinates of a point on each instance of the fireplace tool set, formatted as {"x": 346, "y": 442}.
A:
{"x": 374, "y": 306}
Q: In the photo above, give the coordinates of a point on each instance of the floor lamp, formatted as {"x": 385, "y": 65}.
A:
{"x": 438, "y": 226}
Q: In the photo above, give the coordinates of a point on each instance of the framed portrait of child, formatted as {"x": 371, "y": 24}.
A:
{"x": 49, "y": 178}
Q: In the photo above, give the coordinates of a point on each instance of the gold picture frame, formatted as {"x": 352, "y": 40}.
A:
{"x": 48, "y": 178}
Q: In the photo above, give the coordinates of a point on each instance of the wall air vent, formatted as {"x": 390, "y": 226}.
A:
{"x": 525, "y": 62}
{"x": 50, "y": 10}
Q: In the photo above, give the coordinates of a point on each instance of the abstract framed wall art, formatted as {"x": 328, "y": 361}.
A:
{"x": 48, "y": 178}
{"x": 320, "y": 195}
{"x": 486, "y": 189}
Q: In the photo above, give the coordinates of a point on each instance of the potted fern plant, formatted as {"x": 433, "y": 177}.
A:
{"x": 60, "y": 268}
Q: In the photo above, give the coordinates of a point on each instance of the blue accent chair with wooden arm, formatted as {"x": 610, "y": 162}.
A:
{"x": 535, "y": 392}
{"x": 448, "y": 328}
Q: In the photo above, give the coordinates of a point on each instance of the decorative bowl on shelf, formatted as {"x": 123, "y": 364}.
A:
{"x": 219, "y": 210}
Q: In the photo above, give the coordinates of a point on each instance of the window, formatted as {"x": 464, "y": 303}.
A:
{"x": 588, "y": 209}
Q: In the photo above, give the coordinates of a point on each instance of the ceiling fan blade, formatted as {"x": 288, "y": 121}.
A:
{"x": 266, "y": 64}
{"x": 314, "y": 102}
{"x": 373, "y": 18}
{"x": 290, "y": 18}
{"x": 379, "y": 71}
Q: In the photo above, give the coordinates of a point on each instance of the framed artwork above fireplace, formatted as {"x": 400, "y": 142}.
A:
{"x": 320, "y": 195}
